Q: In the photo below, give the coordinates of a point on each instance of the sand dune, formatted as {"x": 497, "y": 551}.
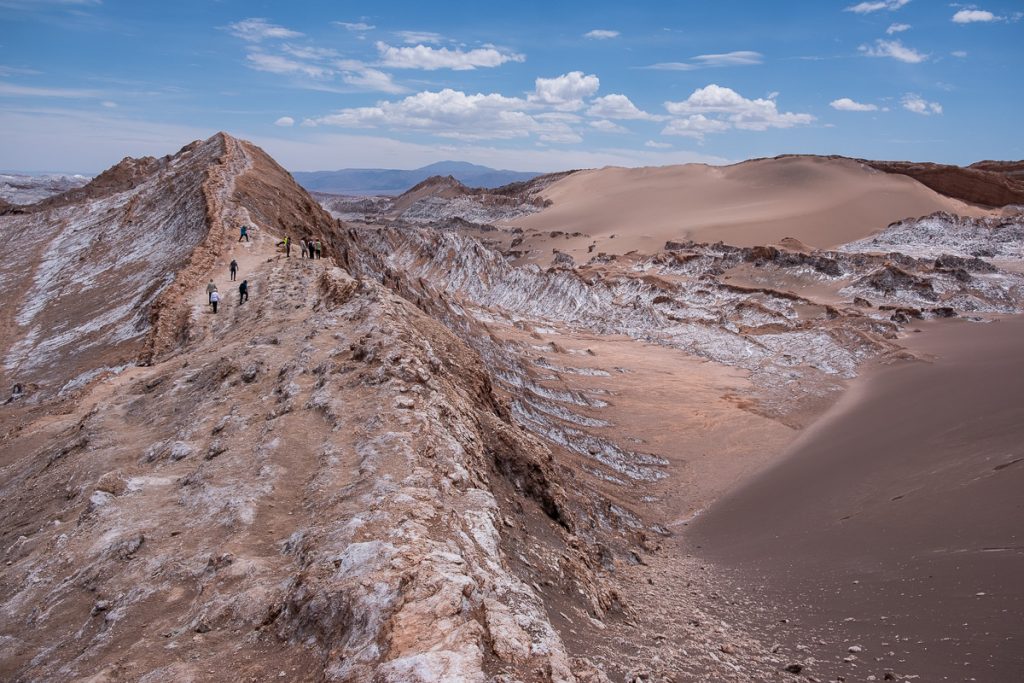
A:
{"x": 822, "y": 202}
{"x": 876, "y": 525}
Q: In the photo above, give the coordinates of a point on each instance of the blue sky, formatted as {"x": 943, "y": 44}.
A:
{"x": 524, "y": 85}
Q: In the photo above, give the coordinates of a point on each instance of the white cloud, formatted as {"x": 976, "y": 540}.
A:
{"x": 13, "y": 70}
{"x": 606, "y": 126}
{"x": 897, "y": 28}
{"x": 454, "y": 114}
{"x": 601, "y": 34}
{"x": 358, "y": 26}
{"x": 285, "y": 122}
{"x": 868, "y": 7}
{"x": 12, "y": 90}
{"x": 308, "y": 52}
{"x": 695, "y": 126}
{"x": 617, "y": 107}
{"x": 416, "y": 37}
{"x": 894, "y": 49}
{"x": 737, "y": 58}
{"x": 971, "y": 16}
{"x": 657, "y": 145}
{"x": 109, "y": 104}
{"x": 276, "y": 64}
{"x": 919, "y": 105}
{"x": 729, "y": 109}
{"x": 430, "y": 58}
{"x": 256, "y": 29}
{"x": 565, "y": 92}
{"x": 846, "y": 104}
{"x": 457, "y": 115}
{"x": 959, "y": 53}
{"x": 371, "y": 79}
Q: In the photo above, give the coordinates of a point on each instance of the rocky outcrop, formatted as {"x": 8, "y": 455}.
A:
{"x": 986, "y": 183}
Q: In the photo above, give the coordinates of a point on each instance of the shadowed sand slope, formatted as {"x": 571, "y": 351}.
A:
{"x": 902, "y": 514}
{"x": 822, "y": 202}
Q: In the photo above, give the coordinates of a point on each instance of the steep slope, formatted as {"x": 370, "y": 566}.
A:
{"x": 104, "y": 279}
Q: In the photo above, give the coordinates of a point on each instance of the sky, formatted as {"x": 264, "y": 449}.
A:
{"x": 534, "y": 86}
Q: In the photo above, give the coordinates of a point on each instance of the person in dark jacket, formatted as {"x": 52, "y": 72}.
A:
{"x": 243, "y": 292}
{"x": 312, "y": 251}
{"x": 233, "y": 268}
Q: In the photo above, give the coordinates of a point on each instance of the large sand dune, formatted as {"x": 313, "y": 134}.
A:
{"x": 900, "y": 514}
{"x": 822, "y": 202}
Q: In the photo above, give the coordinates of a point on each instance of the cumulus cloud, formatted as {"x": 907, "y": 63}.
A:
{"x": 416, "y": 37}
{"x": 919, "y": 105}
{"x": 737, "y": 58}
{"x": 357, "y": 26}
{"x": 601, "y": 34}
{"x": 897, "y": 28}
{"x": 894, "y": 49}
{"x": 846, "y": 104}
{"x": 728, "y": 109}
{"x": 606, "y": 126}
{"x": 277, "y": 64}
{"x": 971, "y": 16}
{"x": 617, "y": 107}
{"x": 455, "y": 114}
{"x": 256, "y": 29}
{"x": 869, "y": 7}
{"x": 431, "y": 58}
{"x": 565, "y": 92}
{"x": 695, "y": 126}
{"x": 285, "y": 122}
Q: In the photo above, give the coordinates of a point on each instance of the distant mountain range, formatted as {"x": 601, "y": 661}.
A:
{"x": 396, "y": 181}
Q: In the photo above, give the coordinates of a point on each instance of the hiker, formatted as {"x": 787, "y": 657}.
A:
{"x": 244, "y": 234}
{"x": 302, "y": 248}
{"x": 210, "y": 289}
{"x": 287, "y": 246}
{"x": 214, "y": 298}
{"x": 319, "y": 249}
{"x": 243, "y": 292}
{"x": 311, "y": 250}
{"x": 233, "y": 268}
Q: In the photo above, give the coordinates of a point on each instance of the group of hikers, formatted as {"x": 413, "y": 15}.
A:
{"x": 307, "y": 249}
{"x": 243, "y": 289}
